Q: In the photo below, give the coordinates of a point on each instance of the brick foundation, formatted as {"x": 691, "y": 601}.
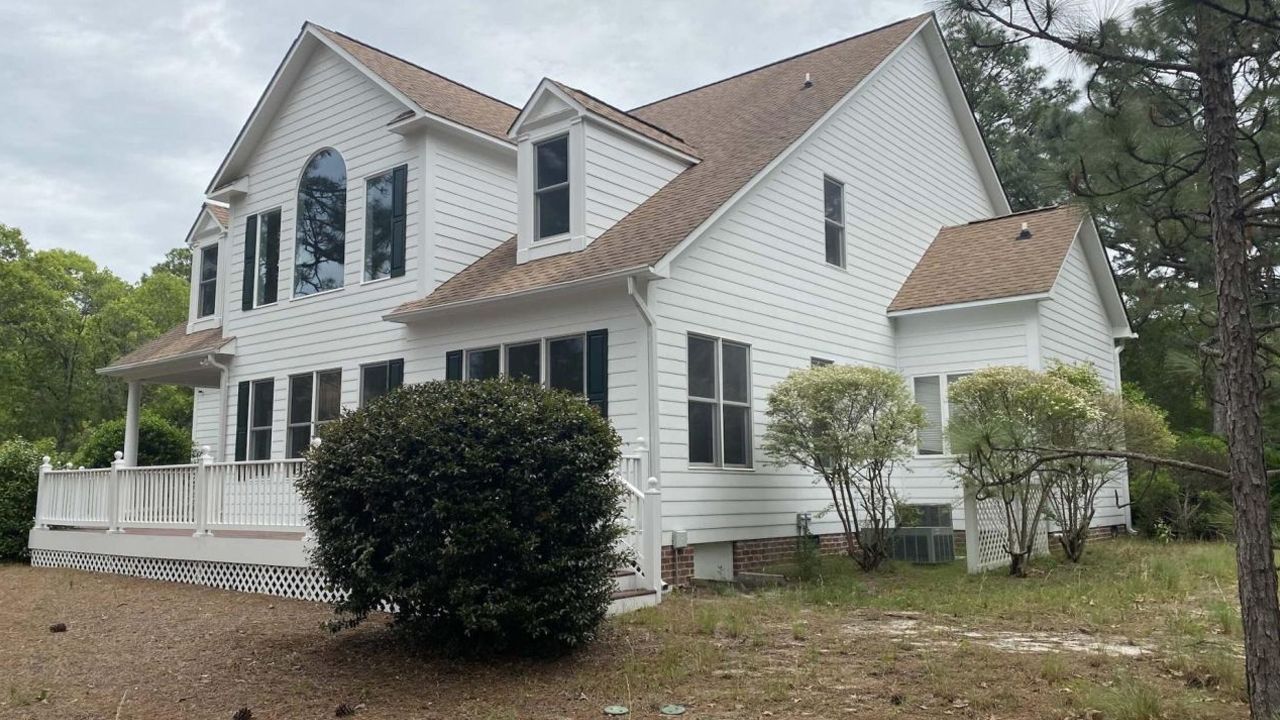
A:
{"x": 755, "y": 555}
{"x": 677, "y": 565}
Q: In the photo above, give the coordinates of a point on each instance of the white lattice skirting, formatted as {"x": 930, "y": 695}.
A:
{"x": 299, "y": 583}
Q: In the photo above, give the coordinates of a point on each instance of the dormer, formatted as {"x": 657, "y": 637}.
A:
{"x": 582, "y": 165}
{"x": 209, "y": 251}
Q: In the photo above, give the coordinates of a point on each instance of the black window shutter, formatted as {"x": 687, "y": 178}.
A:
{"x": 598, "y": 370}
{"x": 399, "y": 196}
{"x": 453, "y": 365}
{"x": 395, "y": 374}
{"x": 250, "y": 264}
{"x": 242, "y": 422}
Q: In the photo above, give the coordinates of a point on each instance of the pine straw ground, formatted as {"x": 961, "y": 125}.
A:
{"x": 1140, "y": 631}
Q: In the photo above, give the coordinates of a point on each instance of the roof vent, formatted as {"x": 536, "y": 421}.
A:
{"x": 1024, "y": 233}
{"x": 808, "y": 82}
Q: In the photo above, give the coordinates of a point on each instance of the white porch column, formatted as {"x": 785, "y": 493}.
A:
{"x": 131, "y": 423}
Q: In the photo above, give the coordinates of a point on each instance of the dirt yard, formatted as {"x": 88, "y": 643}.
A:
{"x": 1141, "y": 631}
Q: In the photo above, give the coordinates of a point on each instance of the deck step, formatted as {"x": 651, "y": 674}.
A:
{"x": 628, "y": 600}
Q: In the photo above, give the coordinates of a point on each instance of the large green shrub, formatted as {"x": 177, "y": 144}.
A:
{"x": 485, "y": 512}
{"x": 19, "y": 474}
{"x": 159, "y": 443}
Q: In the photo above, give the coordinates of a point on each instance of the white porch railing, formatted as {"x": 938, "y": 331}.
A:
{"x": 207, "y": 497}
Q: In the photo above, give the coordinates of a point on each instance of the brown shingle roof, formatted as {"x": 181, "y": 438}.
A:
{"x": 176, "y": 342}
{"x": 631, "y": 122}
{"x": 220, "y": 213}
{"x": 433, "y": 93}
{"x": 985, "y": 260}
{"x": 738, "y": 126}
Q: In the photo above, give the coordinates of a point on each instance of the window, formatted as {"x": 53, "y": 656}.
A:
{"x": 253, "y": 429}
{"x": 378, "y": 379}
{"x": 314, "y": 399}
{"x": 719, "y": 402}
{"x": 576, "y": 363}
{"x": 384, "y": 224}
{"x": 833, "y": 210}
{"x": 320, "y": 230}
{"x": 931, "y": 394}
{"x": 551, "y": 187}
{"x": 820, "y": 362}
{"x": 207, "y": 291}
{"x": 261, "y": 259}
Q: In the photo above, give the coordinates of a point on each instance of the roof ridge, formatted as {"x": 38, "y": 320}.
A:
{"x": 412, "y": 64}
{"x": 628, "y": 113}
{"x": 779, "y": 62}
{"x": 1042, "y": 208}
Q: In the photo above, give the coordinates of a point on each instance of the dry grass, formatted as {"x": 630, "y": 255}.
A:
{"x": 891, "y": 646}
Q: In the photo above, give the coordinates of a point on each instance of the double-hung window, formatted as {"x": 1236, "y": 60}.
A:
{"x": 719, "y": 402}
{"x": 931, "y": 394}
{"x": 575, "y": 363}
{"x": 833, "y": 212}
{"x": 207, "y": 290}
{"x": 384, "y": 223}
{"x": 314, "y": 399}
{"x": 254, "y": 405}
{"x": 261, "y": 259}
{"x": 378, "y": 379}
{"x": 551, "y": 187}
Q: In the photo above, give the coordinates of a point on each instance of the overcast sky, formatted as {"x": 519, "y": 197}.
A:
{"x": 114, "y": 116}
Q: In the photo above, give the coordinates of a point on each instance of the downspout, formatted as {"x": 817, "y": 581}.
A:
{"x": 221, "y": 451}
{"x": 651, "y": 374}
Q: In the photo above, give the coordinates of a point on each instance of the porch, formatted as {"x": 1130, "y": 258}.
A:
{"x": 242, "y": 526}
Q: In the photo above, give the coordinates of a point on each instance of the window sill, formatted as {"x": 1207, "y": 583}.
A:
{"x": 264, "y": 305}
{"x": 375, "y": 281}
{"x": 702, "y": 469}
{"x": 322, "y": 293}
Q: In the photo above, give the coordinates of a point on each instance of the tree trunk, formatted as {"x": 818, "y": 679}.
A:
{"x": 1239, "y": 374}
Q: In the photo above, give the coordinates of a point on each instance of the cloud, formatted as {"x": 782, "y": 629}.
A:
{"x": 117, "y": 114}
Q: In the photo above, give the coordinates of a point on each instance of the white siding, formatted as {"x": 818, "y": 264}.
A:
{"x": 1075, "y": 330}
{"x": 759, "y": 276}
{"x": 957, "y": 342}
{"x": 620, "y": 174}
{"x": 565, "y": 314}
{"x": 204, "y": 418}
{"x": 474, "y": 195}
{"x": 467, "y": 200}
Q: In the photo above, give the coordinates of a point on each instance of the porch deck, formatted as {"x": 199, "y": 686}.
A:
{"x": 242, "y": 526}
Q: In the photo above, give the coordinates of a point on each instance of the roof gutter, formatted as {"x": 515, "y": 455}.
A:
{"x": 966, "y": 305}
{"x": 405, "y": 316}
{"x": 193, "y": 355}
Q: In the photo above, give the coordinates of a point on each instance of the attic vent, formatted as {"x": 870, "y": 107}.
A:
{"x": 808, "y": 82}
{"x": 1024, "y": 233}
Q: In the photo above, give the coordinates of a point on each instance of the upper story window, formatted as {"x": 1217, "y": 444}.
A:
{"x": 261, "y": 259}
{"x": 833, "y": 210}
{"x": 819, "y": 362}
{"x": 551, "y": 187}
{"x": 384, "y": 223}
{"x": 207, "y": 290}
{"x": 314, "y": 399}
{"x": 931, "y": 394}
{"x": 719, "y": 402}
{"x": 320, "y": 230}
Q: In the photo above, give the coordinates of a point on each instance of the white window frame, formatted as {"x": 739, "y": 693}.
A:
{"x": 544, "y": 357}
{"x": 828, "y": 222}
{"x": 567, "y": 185}
{"x": 200, "y": 281}
{"x": 312, "y": 423}
{"x": 944, "y": 386}
{"x": 719, "y": 403}
{"x": 364, "y": 214}
{"x": 254, "y": 386}
{"x": 380, "y": 363}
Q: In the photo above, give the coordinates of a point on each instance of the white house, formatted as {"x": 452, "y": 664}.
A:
{"x": 377, "y": 224}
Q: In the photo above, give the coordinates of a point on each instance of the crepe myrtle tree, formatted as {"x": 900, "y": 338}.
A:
{"x": 1000, "y": 419}
{"x": 1074, "y": 481}
{"x": 851, "y": 426}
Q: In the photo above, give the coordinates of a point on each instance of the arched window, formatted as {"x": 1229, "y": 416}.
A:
{"x": 320, "y": 233}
